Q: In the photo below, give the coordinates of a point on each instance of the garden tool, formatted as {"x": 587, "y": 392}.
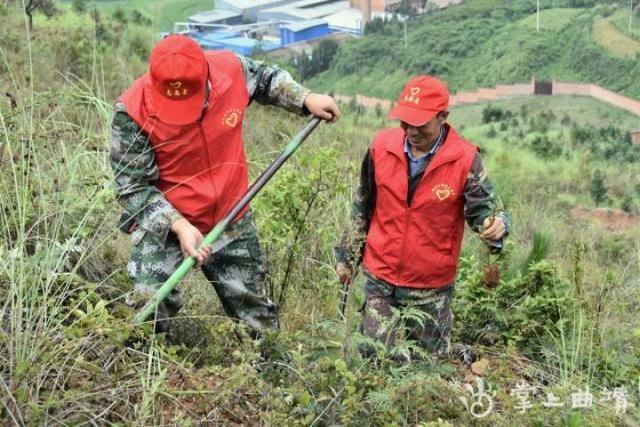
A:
{"x": 343, "y": 297}
{"x": 218, "y": 230}
{"x": 346, "y": 283}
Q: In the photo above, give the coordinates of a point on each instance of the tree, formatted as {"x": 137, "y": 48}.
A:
{"x": 119, "y": 15}
{"x": 80, "y": 6}
{"x": 627, "y": 204}
{"x": 598, "y": 190}
{"x": 322, "y": 56}
{"x": 139, "y": 18}
{"x": 376, "y": 25}
{"x": 303, "y": 63}
{"x": 45, "y": 6}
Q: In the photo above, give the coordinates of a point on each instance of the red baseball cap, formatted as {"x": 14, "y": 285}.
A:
{"x": 421, "y": 99}
{"x": 178, "y": 72}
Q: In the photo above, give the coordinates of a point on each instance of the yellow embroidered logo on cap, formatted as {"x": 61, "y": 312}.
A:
{"x": 412, "y": 96}
{"x": 176, "y": 89}
{"x": 442, "y": 191}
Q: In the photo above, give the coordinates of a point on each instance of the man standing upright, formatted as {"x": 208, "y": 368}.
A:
{"x": 179, "y": 165}
{"x": 418, "y": 183}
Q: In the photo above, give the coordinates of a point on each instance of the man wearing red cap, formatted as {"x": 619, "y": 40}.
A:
{"x": 179, "y": 165}
{"x": 419, "y": 182}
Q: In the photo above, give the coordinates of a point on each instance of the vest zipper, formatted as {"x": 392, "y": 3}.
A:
{"x": 404, "y": 242}
{"x": 406, "y": 219}
{"x": 408, "y": 206}
{"x": 203, "y": 138}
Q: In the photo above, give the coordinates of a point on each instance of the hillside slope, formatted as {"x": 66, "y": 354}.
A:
{"x": 482, "y": 43}
{"x": 563, "y": 319}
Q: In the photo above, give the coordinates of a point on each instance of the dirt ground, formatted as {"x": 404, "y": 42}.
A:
{"x": 610, "y": 218}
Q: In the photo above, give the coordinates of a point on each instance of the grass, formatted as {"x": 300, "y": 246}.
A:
{"x": 163, "y": 13}
{"x": 608, "y": 37}
{"x": 551, "y": 19}
{"x": 582, "y": 110}
{"x": 68, "y": 353}
{"x": 621, "y": 21}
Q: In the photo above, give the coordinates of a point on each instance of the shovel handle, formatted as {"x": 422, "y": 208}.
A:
{"x": 343, "y": 297}
{"x": 217, "y": 231}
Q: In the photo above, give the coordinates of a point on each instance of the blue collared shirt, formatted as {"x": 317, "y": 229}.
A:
{"x": 417, "y": 165}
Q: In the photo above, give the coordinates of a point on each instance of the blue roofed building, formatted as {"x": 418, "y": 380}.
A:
{"x": 246, "y": 46}
{"x": 212, "y": 40}
{"x": 233, "y": 41}
{"x": 301, "y": 31}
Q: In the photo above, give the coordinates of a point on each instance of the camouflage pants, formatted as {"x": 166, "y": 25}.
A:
{"x": 383, "y": 318}
{"x": 237, "y": 272}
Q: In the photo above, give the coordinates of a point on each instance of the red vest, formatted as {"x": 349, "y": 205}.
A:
{"x": 417, "y": 246}
{"x": 203, "y": 169}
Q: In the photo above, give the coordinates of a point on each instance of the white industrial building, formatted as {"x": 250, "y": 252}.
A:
{"x": 249, "y": 8}
{"x": 303, "y": 10}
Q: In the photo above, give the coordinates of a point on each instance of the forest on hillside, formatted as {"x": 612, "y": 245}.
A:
{"x": 558, "y": 338}
{"x": 486, "y": 42}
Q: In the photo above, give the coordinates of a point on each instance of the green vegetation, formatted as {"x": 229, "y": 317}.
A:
{"x": 162, "y": 13}
{"x": 307, "y": 66}
{"x": 621, "y": 21}
{"x": 483, "y": 43}
{"x": 563, "y": 318}
{"x": 619, "y": 44}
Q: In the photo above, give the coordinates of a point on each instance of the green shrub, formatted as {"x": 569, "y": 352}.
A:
{"x": 597, "y": 188}
{"x": 139, "y": 19}
{"x": 517, "y": 312}
{"x": 119, "y": 15}
{"x": 492, "y": 113}
{"x": 627, "y": 204}
{"x": 139, "y": 45}
{"x": 79, "y": 6}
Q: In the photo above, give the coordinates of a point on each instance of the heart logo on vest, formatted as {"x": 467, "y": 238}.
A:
{"x": 231, "y": 118}
{"x": 442, "y": 191}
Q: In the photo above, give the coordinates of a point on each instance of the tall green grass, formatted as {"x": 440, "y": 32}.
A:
{"x": 68, "y": 352}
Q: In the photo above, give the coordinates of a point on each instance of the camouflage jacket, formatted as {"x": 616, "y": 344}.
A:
{"x": 480, "y": 202}
{"x": 133, "y": 161}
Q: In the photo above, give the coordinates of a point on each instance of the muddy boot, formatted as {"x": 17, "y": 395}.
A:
{"x": 464, "y": 353}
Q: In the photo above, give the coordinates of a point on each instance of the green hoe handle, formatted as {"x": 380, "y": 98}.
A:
{"x": 217, "y": 231}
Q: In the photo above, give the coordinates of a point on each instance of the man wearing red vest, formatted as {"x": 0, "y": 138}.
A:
{"x": 419, "y": 182}
{"x": 179, "y": 166}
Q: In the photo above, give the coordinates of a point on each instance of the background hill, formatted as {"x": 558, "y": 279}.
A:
{"x": 161, "y": 13}
{"x": 563, "y": 319}
{"x": 489, "y": 42}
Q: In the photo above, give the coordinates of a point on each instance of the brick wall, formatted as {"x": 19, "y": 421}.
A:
{"x": 560, "y": 88}
{"x": 524, "y": 89}
{"x": 613, "y": 98}
{"x": 503, "y": 91}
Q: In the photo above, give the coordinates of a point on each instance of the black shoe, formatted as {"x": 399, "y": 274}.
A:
{"x": 464, "y": 353}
